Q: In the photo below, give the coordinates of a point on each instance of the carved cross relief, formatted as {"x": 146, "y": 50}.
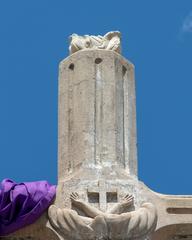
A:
{"x": 102, "y": 195}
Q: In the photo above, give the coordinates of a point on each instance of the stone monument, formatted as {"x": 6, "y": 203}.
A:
{"x": 99, "y": 195}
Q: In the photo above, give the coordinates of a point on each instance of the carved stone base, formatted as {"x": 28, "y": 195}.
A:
{"x": 117, "y": 223}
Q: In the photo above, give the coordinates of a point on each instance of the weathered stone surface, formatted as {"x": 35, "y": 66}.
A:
{"x": 97, "y": 126}
{"x": 110, "y": 41}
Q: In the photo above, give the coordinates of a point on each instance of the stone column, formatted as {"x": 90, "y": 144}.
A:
{"x": 97, "y": 123}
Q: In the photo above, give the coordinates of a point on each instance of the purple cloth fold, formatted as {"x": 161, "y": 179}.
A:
{"x": 22, "y": 204}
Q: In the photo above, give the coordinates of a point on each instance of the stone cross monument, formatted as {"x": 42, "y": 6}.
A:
{"x": 99, "y": 195}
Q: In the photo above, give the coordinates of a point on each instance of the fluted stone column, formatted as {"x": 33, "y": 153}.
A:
{"x": 97, "y": 125}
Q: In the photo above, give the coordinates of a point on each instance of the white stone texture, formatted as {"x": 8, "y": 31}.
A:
{"x": 97, "y": 126}
{"x": 110, "y": 41}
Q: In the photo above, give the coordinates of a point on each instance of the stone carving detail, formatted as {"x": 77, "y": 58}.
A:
{"x": 110, "y": 41}
{"x": 116, "y": 224}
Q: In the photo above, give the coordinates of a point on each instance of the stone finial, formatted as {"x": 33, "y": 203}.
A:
{"x": 110, "y": 41}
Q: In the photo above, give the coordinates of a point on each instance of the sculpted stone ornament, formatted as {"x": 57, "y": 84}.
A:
{"x": 110, "y": 41}
{"x": 117, "y": 223}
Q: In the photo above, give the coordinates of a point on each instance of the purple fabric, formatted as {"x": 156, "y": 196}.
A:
{"x": 22, "y": 204}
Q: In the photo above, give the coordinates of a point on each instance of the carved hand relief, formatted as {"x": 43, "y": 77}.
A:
{"x": 110, "y": 41}
{"x": 120, "y": 222}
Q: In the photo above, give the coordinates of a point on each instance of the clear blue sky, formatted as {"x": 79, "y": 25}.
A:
{"x": 156, "y": 37}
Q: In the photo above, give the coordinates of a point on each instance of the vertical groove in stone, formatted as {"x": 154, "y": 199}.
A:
{"x": 123, "y": 115}
{"x": 130, "y": 122}
{"x": 95, "y": 98}
{"x": 126, "y": 120}
{"x": 133, "y": 129}
{"x": 70, "y": 120}
{"x": 98, "y": 116}
{"x": 119, "y": 114}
